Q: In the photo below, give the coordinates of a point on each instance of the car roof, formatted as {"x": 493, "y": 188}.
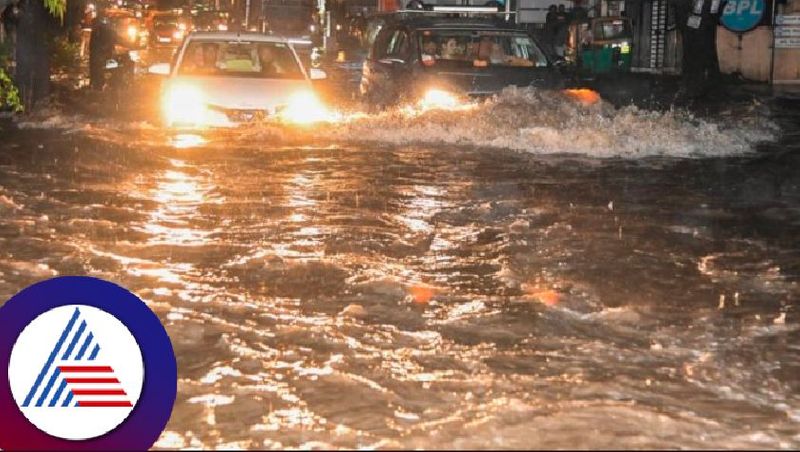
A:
{"x": 235, "y": 36}
{"x": 441, "y": 21}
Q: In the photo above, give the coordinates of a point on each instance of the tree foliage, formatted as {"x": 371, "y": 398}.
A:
{"x": 56, "y": 7}
{"x": 9, "y": 94}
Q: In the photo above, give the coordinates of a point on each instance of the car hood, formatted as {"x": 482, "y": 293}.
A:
{"x": 238, "y": 93}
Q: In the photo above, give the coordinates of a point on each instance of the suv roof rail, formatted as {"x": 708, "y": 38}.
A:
{"x": 470, "y": 9}
{"x": 459, "y": 11}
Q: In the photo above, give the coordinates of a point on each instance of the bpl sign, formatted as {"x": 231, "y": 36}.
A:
{"x": 742, "y": 15}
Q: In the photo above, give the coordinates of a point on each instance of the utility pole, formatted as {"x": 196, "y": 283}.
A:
{"x": 772, "y": 47}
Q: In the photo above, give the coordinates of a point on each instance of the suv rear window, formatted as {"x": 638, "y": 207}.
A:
{"x": 468, "y": 47}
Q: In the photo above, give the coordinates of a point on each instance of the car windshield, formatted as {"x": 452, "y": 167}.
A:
{"x": 614, "y": 29}
{"x": 240, "y": 59}
{"x": 164, "y": 22}
{"x": 481, "y": 48}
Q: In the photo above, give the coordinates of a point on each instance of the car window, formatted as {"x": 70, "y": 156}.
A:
{"x": 480, "y": 48}
{"x": 240, "y": 59}
{"x": 166, "y": 21}
{"x": 382, "y": 41}
{"x": 398, "y": 45}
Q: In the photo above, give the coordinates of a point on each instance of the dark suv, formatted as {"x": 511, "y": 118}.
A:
{"x": 419, "y": 51}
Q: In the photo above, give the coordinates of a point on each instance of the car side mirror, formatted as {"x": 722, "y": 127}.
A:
{"x": 159, "y": 69}
{"x": 317, "y": 74}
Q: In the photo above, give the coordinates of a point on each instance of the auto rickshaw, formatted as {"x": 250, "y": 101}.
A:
{"x": 600, "y": 45}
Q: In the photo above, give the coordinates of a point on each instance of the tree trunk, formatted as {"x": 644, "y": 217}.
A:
{"x": 33, "y": 59}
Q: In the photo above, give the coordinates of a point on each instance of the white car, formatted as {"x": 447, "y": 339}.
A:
{"x": 223, "y": 79}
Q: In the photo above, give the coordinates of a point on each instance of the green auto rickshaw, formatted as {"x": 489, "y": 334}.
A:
{"x": 600, "y": 45}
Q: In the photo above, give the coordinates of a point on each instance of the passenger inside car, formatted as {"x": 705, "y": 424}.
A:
{"x": 201, "y": 59}
{"x": 451, "y": 50}
{"x": 429, "y": 47}
{"x": 210, "y": 54}
{"x": 270, "y": 67}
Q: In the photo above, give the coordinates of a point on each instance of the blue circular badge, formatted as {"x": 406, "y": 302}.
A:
{"x": 742, "y": 15}
{"x": 88, "y": 366}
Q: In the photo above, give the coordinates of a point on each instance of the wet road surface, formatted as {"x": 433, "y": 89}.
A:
{"x": 434, "y": 295}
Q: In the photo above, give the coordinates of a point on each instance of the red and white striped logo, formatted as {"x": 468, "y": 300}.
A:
{"x": 94, "y": 386}
{"x": 76, "y": 372}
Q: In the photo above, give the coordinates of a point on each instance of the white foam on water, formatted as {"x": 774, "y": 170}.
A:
{"x": 550, "y": 122}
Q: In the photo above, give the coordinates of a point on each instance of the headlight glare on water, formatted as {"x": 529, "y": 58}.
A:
{"x": 184, "y": 104}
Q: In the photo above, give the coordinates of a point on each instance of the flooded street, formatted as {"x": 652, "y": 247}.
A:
{"x": 618, "y": 278}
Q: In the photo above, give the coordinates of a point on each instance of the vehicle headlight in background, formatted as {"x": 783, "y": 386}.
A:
{"x": 304, "y": 107}
{"x": 184, "y": 104}
{"x": 133, "y": 32}
{"x": 222, "y": 27}
{"x": 437, "y": 98}
{"x": 178, "y": 35}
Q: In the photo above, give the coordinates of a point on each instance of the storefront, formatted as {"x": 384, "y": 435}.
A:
{"x": 769, "y": 51}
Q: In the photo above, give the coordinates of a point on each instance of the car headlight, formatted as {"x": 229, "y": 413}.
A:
{"x": 178, "y": 35}
{"x": 184, "y": 104}
{"x": 437, "y": 98}
{"x": 304, "y": 107}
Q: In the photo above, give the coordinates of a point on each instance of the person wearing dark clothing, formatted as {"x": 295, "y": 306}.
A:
{"x": 700, "y": 69}
{"x": 561, "y": 31}
{"x": 578, "y": 12}
{"x": 550, "y": 27}
{"x": 101, "y": 49}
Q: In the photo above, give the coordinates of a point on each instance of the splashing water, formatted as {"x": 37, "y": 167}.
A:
{"x": 541, "y": 122}
{"x": 520, "y": 119}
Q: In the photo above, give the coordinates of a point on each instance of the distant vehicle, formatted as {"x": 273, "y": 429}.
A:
{"x": 600, "y": 45}
{"x": 416, "y": 52}
{"x": 129, "y": 31}
{"x": 212, "y": 21}
{"x": 292, "y": 18}
{"x": 222, "y": 79}
{"x": 168, "y": 28}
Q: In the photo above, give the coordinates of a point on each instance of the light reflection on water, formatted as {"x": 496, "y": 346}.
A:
{"x": 413, "y": 297}
{"x": 178, "y": 195}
